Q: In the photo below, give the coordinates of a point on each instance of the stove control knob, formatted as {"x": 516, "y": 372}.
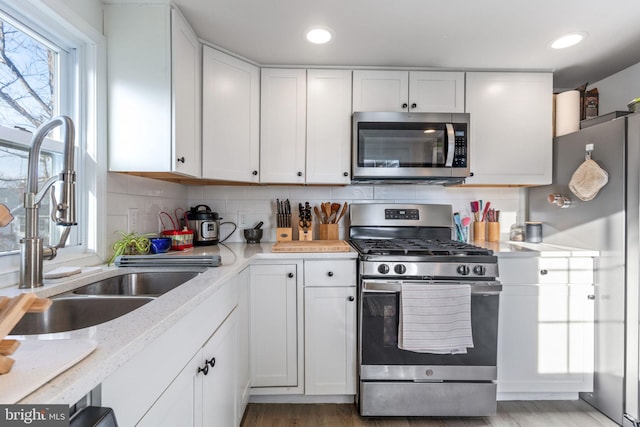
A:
{"x": 479, "y": 270}
{"x": 383, "y": 269}
{"x": 463, "y": 269}
{"x": 400, "y": 269}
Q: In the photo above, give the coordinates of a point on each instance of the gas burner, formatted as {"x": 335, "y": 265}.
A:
{"x": 433, "y": 247}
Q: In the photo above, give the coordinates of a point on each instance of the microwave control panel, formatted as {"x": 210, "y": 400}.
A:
{"x": 460, "y": 151}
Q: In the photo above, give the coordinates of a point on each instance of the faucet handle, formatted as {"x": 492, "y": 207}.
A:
{"x": 64, "y": 213}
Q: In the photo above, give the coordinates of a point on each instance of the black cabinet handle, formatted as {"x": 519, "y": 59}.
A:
{"x": 405, "y": 105}
{"x": 211, "y": 362}
{"x": 543, "y": 272}
{"x": 414, "y": 105}
{"x": 345, "y": 173}
{"x": 180, "y": 159}
{"x": 330, "y": 274}
{"x": 290, "y": 275}
{"x": 254, "y": 173}
{"x": 204, "y": 370}
{"x": 299, "y": 173}
{"x": 351, "y": 298}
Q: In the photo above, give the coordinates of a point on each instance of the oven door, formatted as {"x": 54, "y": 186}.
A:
{"x": 381, "y": 359}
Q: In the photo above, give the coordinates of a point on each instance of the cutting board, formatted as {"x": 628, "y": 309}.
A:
{"x": 312, "y": 246}
{"x": 38, "y": 361}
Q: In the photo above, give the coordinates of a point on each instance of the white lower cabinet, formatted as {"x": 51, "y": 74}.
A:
{"x": 330, "y": 327}
{"x": 330, "y": 341}
{"x": 275, "y": 336}
{"x": 545, "y": 342}
{"x": 191, "y": 375}
{"x": 201, "y": 395}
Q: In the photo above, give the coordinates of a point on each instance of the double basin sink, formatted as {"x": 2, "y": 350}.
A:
{"x": 101, "y": 301}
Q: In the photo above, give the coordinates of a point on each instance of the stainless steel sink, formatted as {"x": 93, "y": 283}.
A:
{"x": 147, "y": 283}
{"x": 101, "y": 301}
{"x": 71, "y": 313}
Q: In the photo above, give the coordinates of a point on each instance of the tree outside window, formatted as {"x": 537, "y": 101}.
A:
{"x": 28, "y": 87}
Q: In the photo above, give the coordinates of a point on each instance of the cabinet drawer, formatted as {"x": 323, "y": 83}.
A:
{"x": 553, "y": 270}
{"x": 330, "y": 273}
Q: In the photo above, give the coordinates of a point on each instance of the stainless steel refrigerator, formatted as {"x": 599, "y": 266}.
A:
{"x": 608, "y": 223}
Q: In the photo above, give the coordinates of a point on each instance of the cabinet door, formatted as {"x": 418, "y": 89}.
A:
{"x": 230, "y": 111}
{"x": 139, "y": 87}
{"x": 177, "y": 405}
{"x": 328, "y": 126}
{"x": 185, "y": 84}
{"x": 375, "y": 90}
{"x": 510, "y": 132}
{"x": 282, "y": 126}
{"x": 330, "y": 328}
{"x": 436, "y": 92}
{"x": 273, "y": 336}
{"x": 219, "y": 388}
{"x": 244, "y": 378}
{"x": 545, "y": 338}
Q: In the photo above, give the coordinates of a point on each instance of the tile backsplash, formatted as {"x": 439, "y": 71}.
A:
{"x": 257, "y": 203}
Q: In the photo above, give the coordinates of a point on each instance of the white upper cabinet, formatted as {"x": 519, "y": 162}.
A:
{"x": 510, "y": 137}
{"x": 153, "y": 66}
{"x": 283, "y": 125}
{"x": 328, "y": 127}
{"x": 231, "y": 122}
{"x": 417, "y": 91}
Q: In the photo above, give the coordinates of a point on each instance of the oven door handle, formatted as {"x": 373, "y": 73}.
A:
{"x": 484, "y": 288}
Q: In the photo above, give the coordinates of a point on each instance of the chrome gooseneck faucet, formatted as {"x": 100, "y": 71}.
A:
{"x": 32, "y": 251}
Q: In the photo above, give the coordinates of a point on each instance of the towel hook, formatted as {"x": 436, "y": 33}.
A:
{"x": 588, "y": 150}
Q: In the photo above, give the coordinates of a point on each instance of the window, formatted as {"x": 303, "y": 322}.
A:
{"x": 30, "y": 88}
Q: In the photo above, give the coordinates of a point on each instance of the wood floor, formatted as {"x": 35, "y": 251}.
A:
{"x": 510, "y": 414}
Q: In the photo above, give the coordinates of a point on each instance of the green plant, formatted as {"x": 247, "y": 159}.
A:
{"x": 130, "y": 244}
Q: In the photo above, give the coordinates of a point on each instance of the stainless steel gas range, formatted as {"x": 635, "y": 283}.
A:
{"x": 427, "y": 314}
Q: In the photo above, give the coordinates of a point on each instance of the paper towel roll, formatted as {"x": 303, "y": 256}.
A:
{"x": 567, "y": 112}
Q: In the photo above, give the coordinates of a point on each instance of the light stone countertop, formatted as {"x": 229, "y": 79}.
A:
{"x": 509, "y": 249}
{"x": 122, "y": 338}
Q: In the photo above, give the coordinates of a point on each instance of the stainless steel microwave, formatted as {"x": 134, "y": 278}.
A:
{"x": 411, "y": 147}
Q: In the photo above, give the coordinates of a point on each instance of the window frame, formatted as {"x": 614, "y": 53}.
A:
{"x": 86, "y": 58}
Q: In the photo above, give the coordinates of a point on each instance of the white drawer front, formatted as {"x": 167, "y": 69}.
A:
{"x": 330, "y": 273}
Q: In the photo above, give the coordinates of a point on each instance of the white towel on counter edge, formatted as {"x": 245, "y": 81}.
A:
{"x": 435, "y": 318}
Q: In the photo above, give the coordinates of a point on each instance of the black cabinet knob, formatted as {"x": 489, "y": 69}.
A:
{"x": 405, "y": 105}
{"x": 204, "y": 370}
{"x": 180, "y": 159}
{"x": 254, "y": 173}
{"x": 351, "y": 298}
{"x": 290, "y": 275}
{"x": 414, "y": 105}
{"x": 330, "y": 274}
{"x": 299, "y": 173}
{"x": 345, "y": 173}
{"x": 543, "y": 272}
{"x": 211, "y": 362}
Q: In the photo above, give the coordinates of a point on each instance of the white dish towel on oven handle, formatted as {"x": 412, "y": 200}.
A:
{"x": 435, "y": 318}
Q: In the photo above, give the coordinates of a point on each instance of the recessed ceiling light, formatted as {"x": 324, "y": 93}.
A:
{"x": 568, "y": 40}
{"x": 319, "y": 35}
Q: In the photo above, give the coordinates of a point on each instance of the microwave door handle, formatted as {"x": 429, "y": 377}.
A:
{"x": 451, "y": 145}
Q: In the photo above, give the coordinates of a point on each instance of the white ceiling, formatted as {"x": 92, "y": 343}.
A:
{"x": 451, "y": 34}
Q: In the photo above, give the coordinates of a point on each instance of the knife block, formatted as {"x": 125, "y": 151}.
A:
{"x": 284, "y": 234}
{"x": 329, "y": 232}
{"x": 305, "y": 234}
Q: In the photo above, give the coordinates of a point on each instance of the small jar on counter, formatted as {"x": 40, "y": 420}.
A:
{"x": 533, "y": 232}
{"x": 516, "y": 233}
